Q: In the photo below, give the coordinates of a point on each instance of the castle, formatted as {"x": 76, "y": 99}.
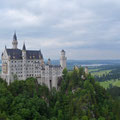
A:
{"x": 22, "y": 64}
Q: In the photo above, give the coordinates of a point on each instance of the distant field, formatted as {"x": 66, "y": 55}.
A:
{"x": 113, "y": 82}
{"x": 106, "y": 84}
{"x": 99, "y": 73}
{"x": 93, "y": 70}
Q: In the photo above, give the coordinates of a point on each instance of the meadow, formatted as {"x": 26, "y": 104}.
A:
{"x": 107, "y": 84}
{"x": 101, "y": 73}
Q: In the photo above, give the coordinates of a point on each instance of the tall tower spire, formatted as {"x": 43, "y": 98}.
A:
{"x": 24, "y": 47}
{"x": 15, "y": 42}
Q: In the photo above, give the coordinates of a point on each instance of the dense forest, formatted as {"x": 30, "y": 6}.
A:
{"x": 114, "y": 73}
{"x": 79, "y": 97}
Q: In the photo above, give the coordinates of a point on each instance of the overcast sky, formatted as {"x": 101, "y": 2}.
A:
{"x": 85, "y": 29}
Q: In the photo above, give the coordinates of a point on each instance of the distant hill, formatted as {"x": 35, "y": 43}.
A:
{"x": 72, "y": 63}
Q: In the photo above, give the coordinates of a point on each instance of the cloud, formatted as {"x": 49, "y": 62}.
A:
{"x": 86, "y": 29}
{"x": 22, "y": 18}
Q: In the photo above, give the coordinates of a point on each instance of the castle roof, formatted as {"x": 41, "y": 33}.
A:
{"x": 62, "y": 51}
{"x": 14, "y": 53}
{"x": 55, "y": 66}
{"x": 30, "y": 54}
{"x": 24, "y": 47}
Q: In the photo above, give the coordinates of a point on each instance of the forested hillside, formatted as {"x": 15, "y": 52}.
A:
{"x": 79, "y": 98}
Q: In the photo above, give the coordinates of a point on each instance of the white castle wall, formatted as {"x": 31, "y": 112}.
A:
{"x": 24, "y": 68}
{"x": 32, "y": 68}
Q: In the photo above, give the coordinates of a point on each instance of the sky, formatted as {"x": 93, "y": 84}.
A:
{"x": 85, "y": 29}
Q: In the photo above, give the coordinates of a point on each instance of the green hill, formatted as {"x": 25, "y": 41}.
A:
{"x": 79, "y": 98}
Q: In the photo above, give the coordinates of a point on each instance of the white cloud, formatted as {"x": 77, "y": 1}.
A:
{"x": 75, "y": 25}
{"x": 52, "y": 43}
{"x": 22, "y": 18}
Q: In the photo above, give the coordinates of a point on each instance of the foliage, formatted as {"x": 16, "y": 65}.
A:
{"x": 78, "y": 98}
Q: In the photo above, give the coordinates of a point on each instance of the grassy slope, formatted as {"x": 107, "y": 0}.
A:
{"x": 113, "y": 82}
{"x": 100, "y": 73}
{"x": 93, "y": 70}
{"x": 106, "y": 83}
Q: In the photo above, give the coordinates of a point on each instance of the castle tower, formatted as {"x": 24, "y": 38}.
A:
{"x": 15, "y": 42}
{"x": 63, "y": 59}
{"x": 24, "y": 62}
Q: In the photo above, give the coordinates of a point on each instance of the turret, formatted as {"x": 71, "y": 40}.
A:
{"x": 24, "y": 51}
{"x": 15, "y": 42}
{"x": 63, "y": 59}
